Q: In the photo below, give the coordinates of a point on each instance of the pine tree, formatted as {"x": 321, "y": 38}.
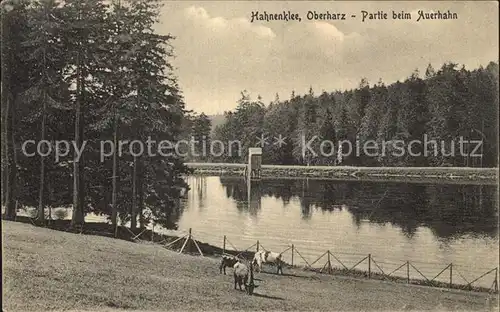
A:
{"x": 327, "y": 132}
{"x": 14, "y": 74}
{"x": 47, "y": 63}
{"x": 201, "y": 132}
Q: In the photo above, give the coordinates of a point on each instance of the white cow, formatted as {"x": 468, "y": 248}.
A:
{"x": 268, "y": 257}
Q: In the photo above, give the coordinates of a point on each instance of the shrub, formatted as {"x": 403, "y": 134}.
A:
{"x": 33, "y": 212}
{"x": 61, "y": 214}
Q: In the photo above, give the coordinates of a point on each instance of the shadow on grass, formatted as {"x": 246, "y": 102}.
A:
{"x": 267, "y": 297}
{"x": 286, "y": 274}
{"x": 299, "y": 276}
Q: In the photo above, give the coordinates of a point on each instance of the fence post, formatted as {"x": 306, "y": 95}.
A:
{"x": 369, "y": 265}
{"x": 292, "y": 254}
{"x": 188, "y": 239}
{"x": 496, "y": 280}
{"x": 257, "y": 245}
{"x": 408, "y": 271}
{"x": 153, "y": 233}
{"x": 329, "y": 264}
{"x": 451, "y": 274}
{"x": 224, "y": 245}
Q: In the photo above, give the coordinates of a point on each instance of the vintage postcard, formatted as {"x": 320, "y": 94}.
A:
{"x": 250, "y": 155}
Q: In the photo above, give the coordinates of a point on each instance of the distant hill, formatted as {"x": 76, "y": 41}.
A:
{"x": 216, "y": 120}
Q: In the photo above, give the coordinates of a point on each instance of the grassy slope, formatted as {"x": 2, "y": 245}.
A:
{"x": 51, "y": 270}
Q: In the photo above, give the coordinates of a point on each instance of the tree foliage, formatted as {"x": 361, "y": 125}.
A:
{"x": 446, "y": 105}
{"x": 92, "y": 72}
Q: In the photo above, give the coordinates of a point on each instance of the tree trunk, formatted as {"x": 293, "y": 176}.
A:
{"x": 41, "y": 206}
{"x": 81, "y": 176}
{"x": 10, "y": 206}
{"x": 50, "y": 191}
{"x": 8, "y": 104}
{"x": 4, "y": 156}
{"x": 10, "y": 200}
{"x": 133, "y": 213}
{"x": 140, "y": 190}
{"x": 114, "y": 209}
{"x": 77, "y": 217}
{"x": 5, "y": 111}
{"x": 5, "y": 146}
{"x": 81, "y": 163}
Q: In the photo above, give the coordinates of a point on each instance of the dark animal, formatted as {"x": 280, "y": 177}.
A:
{"x": 227, "y": 261}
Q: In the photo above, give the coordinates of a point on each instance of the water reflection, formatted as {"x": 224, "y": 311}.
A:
{"x": 448, "y": 210}
{"x": 254, "y": 196}
{"x": 201, "y": 191}
{"x": 428, "y": 224}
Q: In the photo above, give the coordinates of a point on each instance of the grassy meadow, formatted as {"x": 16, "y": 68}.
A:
{"x": 48, "y": 270}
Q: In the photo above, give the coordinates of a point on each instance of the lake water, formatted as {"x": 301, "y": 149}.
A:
{"x": 431, "y": 225}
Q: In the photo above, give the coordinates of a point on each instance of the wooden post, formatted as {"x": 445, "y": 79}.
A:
{"x": 257, "y": 246}
{"x": 369, "y": 265}
{"x": 496, "y": 280}
{"x": 329, "y": 264}
{"x": 197, "y": 247}
{"x": 408, "y": 271}
{"x": 292, "y": 254}
{"x": 186, "y": 241}
{"x": 224, "y": 245}
{"x": 251, "y": 285}
{"x": 451, "y": 274}
{"x": 189, "y": 238}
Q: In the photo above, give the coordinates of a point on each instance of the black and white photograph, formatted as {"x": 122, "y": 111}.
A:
{"x": 249, "y": 155}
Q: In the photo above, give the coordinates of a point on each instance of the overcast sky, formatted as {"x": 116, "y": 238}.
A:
{"x": 220, "y": 53}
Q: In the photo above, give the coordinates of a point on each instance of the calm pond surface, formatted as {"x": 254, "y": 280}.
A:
{"x": 431, "y": 225}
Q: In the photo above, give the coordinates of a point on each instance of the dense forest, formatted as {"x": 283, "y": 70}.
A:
{"x": 443, "y": 106}
{"x": 87, "y": 72}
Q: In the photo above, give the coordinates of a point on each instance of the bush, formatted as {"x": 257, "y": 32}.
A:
{"x": 33, "y": 212}
{"x": 61, "y": 214}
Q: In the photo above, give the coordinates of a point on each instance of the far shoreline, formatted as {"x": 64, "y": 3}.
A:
{"x": 350, "y": 173}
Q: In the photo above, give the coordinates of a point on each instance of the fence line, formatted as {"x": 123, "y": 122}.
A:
{"x": 374, "y": 268}
{"x": 328, "y": 265}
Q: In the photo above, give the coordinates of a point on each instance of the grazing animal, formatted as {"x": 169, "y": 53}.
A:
{"x": 240, "y": 275}
{"x": 263, "y": 256}
{"x": 227, "y": 261}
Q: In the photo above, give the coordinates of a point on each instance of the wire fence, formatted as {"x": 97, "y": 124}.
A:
{"x": 358, "y": 265}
